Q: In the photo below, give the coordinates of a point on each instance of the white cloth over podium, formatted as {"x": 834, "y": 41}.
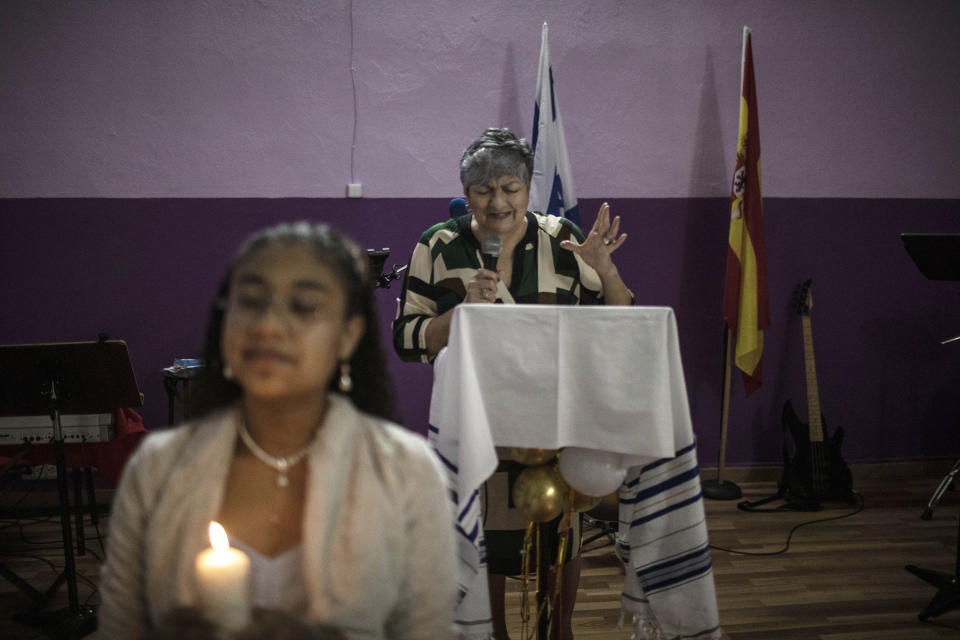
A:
{"x": 606, "y": 378}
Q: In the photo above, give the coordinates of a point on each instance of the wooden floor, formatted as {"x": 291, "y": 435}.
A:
{"x": 840, "y": 580}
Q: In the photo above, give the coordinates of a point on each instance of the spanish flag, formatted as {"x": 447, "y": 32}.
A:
{"x": 745, "y": 287}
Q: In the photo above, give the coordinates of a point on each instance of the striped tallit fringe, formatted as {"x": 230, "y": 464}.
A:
{"x": 472, "y": 620}
{"x": 669, "y": 586}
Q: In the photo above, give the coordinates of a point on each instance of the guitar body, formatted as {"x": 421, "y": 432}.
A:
{"x": 817, "y": 471}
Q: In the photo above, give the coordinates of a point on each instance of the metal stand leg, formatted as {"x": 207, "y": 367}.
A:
{"x": 948, "y": 586}
{"x": 941, "y": 488}
{"x": 76, "y": 620}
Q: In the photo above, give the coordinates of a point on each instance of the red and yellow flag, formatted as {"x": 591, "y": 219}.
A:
{"x": 745, "y": 287}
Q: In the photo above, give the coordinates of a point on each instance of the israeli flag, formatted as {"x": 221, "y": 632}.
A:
{"x": 551, "y": 187}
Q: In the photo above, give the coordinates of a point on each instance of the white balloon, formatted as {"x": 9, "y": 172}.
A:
{"x": 592, "y": 472}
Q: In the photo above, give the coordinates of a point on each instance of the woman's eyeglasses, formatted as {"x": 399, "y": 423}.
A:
{"x": 296, "y": 311}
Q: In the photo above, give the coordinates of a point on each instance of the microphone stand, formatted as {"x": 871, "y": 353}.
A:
{"x": 74, "y": 621}
{"x": 377, "y": 258}
{"x": 383, "y": 282}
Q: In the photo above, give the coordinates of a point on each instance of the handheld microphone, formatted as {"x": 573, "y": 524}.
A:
{"x": 490, "y": 251}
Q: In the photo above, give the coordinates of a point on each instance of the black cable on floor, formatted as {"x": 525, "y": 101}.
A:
{"x": 786, "y": 546}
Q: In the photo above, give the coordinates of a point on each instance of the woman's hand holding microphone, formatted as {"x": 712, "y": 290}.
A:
{"x": 483, "y": 286}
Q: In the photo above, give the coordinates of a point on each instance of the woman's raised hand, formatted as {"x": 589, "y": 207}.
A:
{"x": 601, "y": 241}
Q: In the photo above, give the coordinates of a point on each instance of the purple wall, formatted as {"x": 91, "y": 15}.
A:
{"x": 145, "y": 271}
{"x": 254, "y": 98}
{"x": 143, "y": 141}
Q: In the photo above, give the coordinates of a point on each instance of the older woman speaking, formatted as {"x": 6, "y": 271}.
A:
{"x": 543, "y": 259}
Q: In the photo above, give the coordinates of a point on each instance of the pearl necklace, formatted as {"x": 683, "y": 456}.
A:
{"x": 279, "y": 463}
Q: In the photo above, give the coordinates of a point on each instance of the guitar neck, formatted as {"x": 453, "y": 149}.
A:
{"x": 813, "y": 394}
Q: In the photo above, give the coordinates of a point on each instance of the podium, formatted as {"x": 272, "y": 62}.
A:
{"x": 605, "y": 378}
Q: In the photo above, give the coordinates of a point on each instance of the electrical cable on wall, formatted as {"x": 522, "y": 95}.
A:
{"x": 353, "y": 82}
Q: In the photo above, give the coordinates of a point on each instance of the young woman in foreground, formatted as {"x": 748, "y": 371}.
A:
{"x": 343, "y": 514}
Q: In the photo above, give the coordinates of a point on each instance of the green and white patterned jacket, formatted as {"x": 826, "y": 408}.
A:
{"x": 448, "y": 255}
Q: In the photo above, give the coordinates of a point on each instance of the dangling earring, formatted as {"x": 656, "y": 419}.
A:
{"x": 345, "y": 384}
{"x": 227, "y": 372}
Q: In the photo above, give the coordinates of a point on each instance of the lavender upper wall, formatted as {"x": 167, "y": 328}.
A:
{"x": 245, "y": 98}
{"x": 155, "y": 136}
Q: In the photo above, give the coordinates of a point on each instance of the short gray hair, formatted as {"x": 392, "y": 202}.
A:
{"x": 497, "y": 152}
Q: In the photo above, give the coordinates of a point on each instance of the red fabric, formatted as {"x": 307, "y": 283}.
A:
{"x": 753, "y": 201}
{"x": 109, "y": 458}
{"x": 747, "y": 203}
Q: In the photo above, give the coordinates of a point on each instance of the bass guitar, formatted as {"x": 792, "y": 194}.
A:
{"x": 817, "y": 471}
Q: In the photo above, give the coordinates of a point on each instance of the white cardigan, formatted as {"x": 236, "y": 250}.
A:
{"x": 377, "y": 533}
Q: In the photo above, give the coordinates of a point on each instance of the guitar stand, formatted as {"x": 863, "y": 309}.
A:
{"x": 948, "y": 586}
{"x": 792, "y": 502}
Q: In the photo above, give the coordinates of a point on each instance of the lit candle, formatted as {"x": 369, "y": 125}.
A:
{"x": 223, "y": 576}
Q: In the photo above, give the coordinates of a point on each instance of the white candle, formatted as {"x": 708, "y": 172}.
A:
{"x": 223, "y": 574}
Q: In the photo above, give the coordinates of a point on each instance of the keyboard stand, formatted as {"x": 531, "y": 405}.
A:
{"x": 77, "y": 377}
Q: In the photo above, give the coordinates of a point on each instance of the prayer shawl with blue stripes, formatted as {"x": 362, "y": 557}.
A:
{"x": 663, "y": 544}
{"x": 662, "y": 537}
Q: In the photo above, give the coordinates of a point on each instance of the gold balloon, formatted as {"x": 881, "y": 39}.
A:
{"x": 540, "y": 493}
{"x": 583, "y": 502}
{"x": 532, "y": 456}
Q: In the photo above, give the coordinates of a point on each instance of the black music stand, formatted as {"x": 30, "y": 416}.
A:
{"x": 937, "y": 255}
{"x": 70, "y": 377}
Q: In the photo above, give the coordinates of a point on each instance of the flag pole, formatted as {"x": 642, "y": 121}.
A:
{"x": 718, "y": 488}
{"x": 733, "y": 304}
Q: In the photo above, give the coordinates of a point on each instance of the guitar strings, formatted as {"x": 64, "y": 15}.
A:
{"x": 793, "y": 530}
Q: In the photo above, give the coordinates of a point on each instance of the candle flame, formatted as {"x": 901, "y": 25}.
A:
{"x": 218, "y": 536}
